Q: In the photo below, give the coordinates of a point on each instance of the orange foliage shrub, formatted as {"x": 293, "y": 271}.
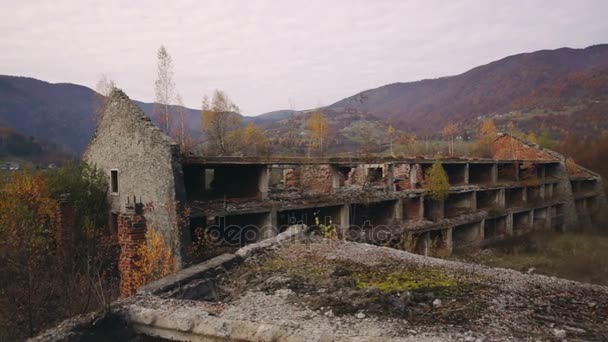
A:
{"x": 155, "y": 259}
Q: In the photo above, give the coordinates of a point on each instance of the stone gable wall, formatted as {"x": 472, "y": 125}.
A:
{"x": 148, "y": 164}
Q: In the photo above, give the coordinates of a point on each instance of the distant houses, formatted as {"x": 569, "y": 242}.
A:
{"x": 16, "y": 166}
{"x": 10, "y": 166}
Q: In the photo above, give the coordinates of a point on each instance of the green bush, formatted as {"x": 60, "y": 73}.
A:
{"x": 437, "y": 183}
{"x": 87, "y": 189}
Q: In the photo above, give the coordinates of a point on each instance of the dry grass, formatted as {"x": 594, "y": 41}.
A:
{"x": 580, "y": 256}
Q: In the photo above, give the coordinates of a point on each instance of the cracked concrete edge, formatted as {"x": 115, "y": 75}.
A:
{"x": 69, "y": 329}
{"x": 292, "y": 233}
{"x": 208, "y": 268}
{"x": 219, "y": 264}
{"x": 73, "y": 329}
{"x": 189, "y": 323}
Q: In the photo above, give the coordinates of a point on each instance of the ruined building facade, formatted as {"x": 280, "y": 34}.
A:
{"x": 383, "y": 200}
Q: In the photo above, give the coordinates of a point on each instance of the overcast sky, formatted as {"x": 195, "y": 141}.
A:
{"x": 270, "y": 55}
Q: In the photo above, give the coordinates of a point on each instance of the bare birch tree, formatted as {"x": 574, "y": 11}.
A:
{"x": 180, "y": 131}
{"x": 220, "y": 116}
{"x": 103, "y": 87}
{"x": 164, "y": 88}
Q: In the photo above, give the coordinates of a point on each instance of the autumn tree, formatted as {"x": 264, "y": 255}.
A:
{"x": 437, "y": 184}
{"x": 531, "y": 137}
{"x": 426, "y": 134}
{"x": 220, "y": 118}
{"x": 103, "y": 89}
{"x": 180, "y": 130}
{"x": 155, "y": 259}
{"x": 390, "y": 132}
{"x": 27, "y": 215}
{"x": 164, "y": 88}
{"x": 255, "y": 140}
{"x": 487, "y": 135}
{"x": 406, "y": 141}
{"x": 319, "y": 131}
{"x": 52, "y": 269}
{"x": 546, "y": 140}
{"x": 449, "y": 132}
{"x": 368, "y": 135}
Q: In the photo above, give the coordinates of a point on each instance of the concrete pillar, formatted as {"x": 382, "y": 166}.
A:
{"x": 398, "y": 210}
{"x": 509, "y": 224}
{"x": 531, "y": 219}
{"x": 466, "y": 173}
{"x": 421, "y": 210}
{"x": 344, "y": 219}
{"x": 524, "y": 196}
{"x": 494, "y": 173}
{"x": 441, "y": 209}
{"x": 390, "y": 177}
{"x": 335, "y": 178}
{"x": 448, "y": 240}
{"x": 264, "y": 182}
{"x": 270, "y": 226}
{"x": 473, "y": 201}
{"x": 502, "y": 198}
{"x": 543, "y": 172}
{"x": 414, "y": 170}
{"x": 542, "y": 191}
{"x": 481, "y": 232}
{"x": 427, "y": 245}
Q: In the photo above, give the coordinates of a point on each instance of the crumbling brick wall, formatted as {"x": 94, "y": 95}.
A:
{"x": 316, "y": 178}
{"x": 356, "y": 176}
{"x": 401, "y": 174}
{"x": 149, "y": 167}
{"x": 131, "y": 234}
{"x": 292, "y": 178}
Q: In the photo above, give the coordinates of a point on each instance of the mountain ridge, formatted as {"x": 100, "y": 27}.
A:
{"x": 565, "y": 81}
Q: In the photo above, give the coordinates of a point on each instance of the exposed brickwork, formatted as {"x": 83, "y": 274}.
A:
{"x": 402, "y": 174}
{"x": 508, "y": 147}
{"x": 131, "y": 233}
{"x": 292, "y": 178}
{"x": 316, "y": 178}
{"x": 356, "y": 176}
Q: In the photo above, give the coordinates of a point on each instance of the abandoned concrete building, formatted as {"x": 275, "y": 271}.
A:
{"x": 266, "y": 206}
{"x": 382, "y": 200}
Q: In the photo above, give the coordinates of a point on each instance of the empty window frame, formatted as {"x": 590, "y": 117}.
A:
{"x": 114, "y": 181}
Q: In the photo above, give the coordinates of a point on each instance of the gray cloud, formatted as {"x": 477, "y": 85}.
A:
{"x": 265, "y": 53}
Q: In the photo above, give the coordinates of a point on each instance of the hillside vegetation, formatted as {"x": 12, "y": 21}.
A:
{"x": 564, "y": 91}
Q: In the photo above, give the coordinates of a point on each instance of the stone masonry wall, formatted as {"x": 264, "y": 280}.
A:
{"x": 148, "y": 164}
